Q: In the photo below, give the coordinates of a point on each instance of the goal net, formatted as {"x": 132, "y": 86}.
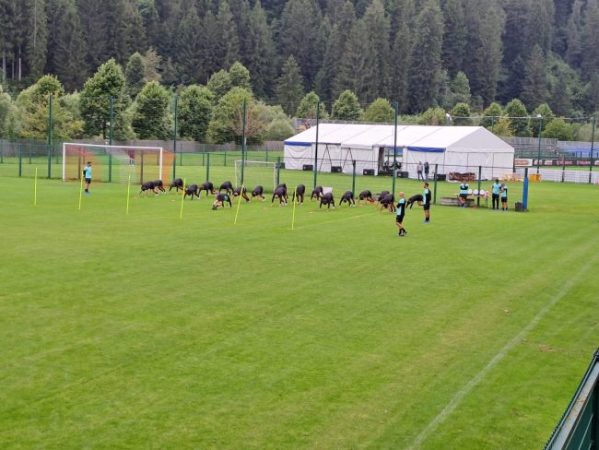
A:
{"x": 256, "y": 173}
{"x": 115, "y": 163}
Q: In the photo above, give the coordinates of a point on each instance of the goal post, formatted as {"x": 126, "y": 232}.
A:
{"x": 263, "y": 173}
{"x": 115, "y": 163}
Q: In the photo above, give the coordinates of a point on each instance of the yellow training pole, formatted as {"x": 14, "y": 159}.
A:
{"x": 35, "y": 189}
{"x": 128, "y": 191}
{"x": 294, "y": 203}
{"x": 182, "y": 202}
{"x": 238, "y": 205}
{"x": 80, "y": 193}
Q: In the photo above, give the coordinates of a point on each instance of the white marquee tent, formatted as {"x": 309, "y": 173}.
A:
{"x": 451, "y": 148}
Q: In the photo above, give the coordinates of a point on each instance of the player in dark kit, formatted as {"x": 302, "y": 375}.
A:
{"x": 426, "y": 203}
{"x": 221, "y": 199}
{"x": 241, "y": 191}
{"x": 400, "y": 214}
{"x": 258, "y": 192}
{"x": 348, "y": 196}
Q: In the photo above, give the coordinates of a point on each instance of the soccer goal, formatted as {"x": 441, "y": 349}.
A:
{"x": 114, "y": 163}
{"x": 255, "y": 173}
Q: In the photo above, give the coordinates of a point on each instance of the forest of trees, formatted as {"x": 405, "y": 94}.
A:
{"x": 419, "y": 53}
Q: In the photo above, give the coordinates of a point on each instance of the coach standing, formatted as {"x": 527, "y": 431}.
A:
{"x": 495, "y": 189}
{"x": 426, "y": 203}
{"x": 87, "y": 175}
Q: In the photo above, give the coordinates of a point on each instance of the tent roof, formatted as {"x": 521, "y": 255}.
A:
{"x": 416, "y": 137}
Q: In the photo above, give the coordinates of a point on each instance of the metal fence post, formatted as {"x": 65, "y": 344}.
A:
{"x": 20, "y": 159}
{"x": 207, "y": 166}
{"x": 225, "y": 160}
{"x": 278, "y": 170}
{"x": 1, "y": 151}
{"x": 480, "y": 171}
{"x": 353, "y": 177}
{"x": 395, "y": 107}
{"x": 435, "y": 184}
{"x": 111, "y": 136}
{"x": 525, "y": 190}
{"x": 592, "y": 148}
{"x": 175, "y": 137}
{"x": 315, "y": 168}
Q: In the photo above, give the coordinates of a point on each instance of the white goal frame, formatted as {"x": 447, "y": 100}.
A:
{"x": 255, "y": 163}
{"x": 107, "y": 149}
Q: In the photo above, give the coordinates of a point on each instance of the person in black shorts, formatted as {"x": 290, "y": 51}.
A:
{"x": 220, "y": 200}
{"x": 426, "y": 203}
{"x": 400, "y": 214}
{"x": 87, "y": 175}
{"x": 503, "y": 194}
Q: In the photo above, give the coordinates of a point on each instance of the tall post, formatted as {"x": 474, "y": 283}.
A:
{"x": 175, "y": 136}
{"x": 278, "y": 170}
{"x": 592, "y": 148}
{"x": 492, "y": 124}
{"x": 111, "y": 137}
{"x": 315, "y": 168}
{"x": 353, "y": 177}
{"x": 540, "y": 135}
{"x": 50, "y": 130}
{"x": 435, "y": 184}
{"x": 243, "y": 124}
{"x": 207, "y": 166}
{"x": 480, "y": 171}
{"x": 395, "y": 108}
{"x": 525, "y": 190}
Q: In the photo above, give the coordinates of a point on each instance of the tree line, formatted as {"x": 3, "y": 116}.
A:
{"x": 410, "y": 51}
{"x": 124, "y": 104}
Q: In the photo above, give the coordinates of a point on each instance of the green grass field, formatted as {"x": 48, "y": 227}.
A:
{"x": 147, "y": 331}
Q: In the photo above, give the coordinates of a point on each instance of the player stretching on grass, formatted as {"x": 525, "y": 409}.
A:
{"x": 87, "y": 175}
{"x": 400, "y": 214}
{"x": 426, "y": 203}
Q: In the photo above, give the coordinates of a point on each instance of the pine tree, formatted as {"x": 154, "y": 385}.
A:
{"x": 376, "y": 72}
{"x": 534, "y": 85}
{"x": 188, "y": 49}
{"x": 426, "y": 57}
{"x": 301, "y": 22}
{"x": 460, "y": 89}
{"x": 135, "y": 74}
{"x": 261, "y": 52}
{"x": 590, "y": 40}
{"x": 484, "y": 49}
{"x": 352, "y": 65}
{"x": 37, "y": 39}
{"x": 454, "y": 37}
{"x": 227, "y": 50}
{"x": 460, "y": 114}
{"x": 491, "y": 115}
{"x": 66, "y": 46}
{"x": 574, "y": 35}
{"x": 290, "y": 88}
{"x": 401, "y": 66}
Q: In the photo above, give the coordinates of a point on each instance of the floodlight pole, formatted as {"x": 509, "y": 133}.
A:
{"x": 395, "y": 108}
{"x": 592, "y": 148}
{"x": 243, "y": 123}
{"x": 315, "y": 168}
{"x": 50, "y": 129}
{"x": 110, "y": 136}
{"x": 540, "y": 135}
{"x": 175, "y": 136}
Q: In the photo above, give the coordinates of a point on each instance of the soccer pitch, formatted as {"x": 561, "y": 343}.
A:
{"x": 150, "y": 331}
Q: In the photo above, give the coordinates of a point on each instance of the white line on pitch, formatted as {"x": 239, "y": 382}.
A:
{"x": 459, "y": 396}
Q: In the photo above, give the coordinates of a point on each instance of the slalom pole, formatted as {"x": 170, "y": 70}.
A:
{"x": 80, "y": 193}
{"x": 293, "y": 215}
{"x": 182, "y": 202}
{"x": 238, "y": 204}
{"x": 35, "y": 189}
{"x": 128, "y": 191}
